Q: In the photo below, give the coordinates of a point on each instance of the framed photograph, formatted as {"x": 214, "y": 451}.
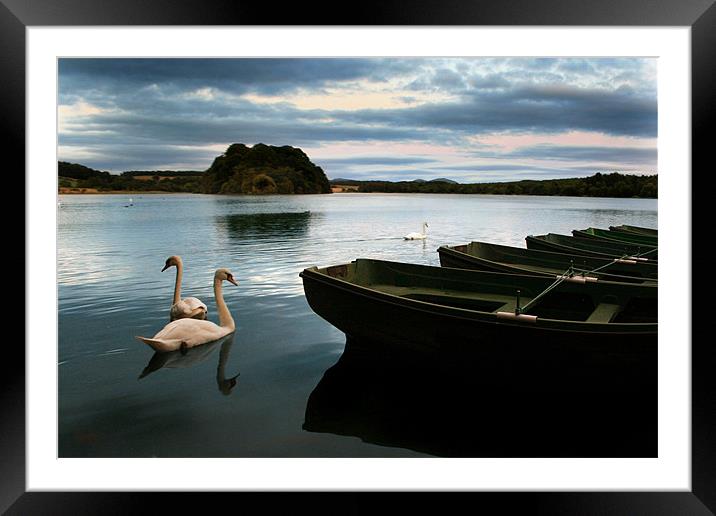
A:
{"x": 153, "y": 116}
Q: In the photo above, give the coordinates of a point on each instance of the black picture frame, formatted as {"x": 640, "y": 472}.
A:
{"x": 700, "y": 15}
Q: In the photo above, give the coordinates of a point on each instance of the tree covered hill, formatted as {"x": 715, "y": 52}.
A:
{"x": 264, "y": 169}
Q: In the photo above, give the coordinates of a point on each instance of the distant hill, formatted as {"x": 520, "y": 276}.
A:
{"x": 264, "y": 169}
{"x": 343, "y": 181}
{"x": 163, "y": 173}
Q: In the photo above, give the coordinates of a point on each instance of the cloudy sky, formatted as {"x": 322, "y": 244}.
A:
{"x": 466, "y": 119}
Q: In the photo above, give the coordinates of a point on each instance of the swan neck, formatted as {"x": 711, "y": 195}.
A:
{"x": 225, "y": 319}
{"x": 177, "y": 283}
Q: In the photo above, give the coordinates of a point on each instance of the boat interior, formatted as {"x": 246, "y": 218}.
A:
{"x": 571, "y": 303}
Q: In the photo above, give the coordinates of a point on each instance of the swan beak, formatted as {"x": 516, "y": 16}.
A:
{"x": 232, "y": 280}
{"x": 165, "y": 268}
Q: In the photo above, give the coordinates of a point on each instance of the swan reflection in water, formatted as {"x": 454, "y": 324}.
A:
{"x": 192, "y": 356}
{"x": 453, "y": 408}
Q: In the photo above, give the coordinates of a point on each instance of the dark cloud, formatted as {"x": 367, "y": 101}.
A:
{"x": 376, "y": 160}
{"x": 489, "y": 82}
{"x": 135, "y": 128}
{"x": 268, "y": 76}
{"x": 536, "y": 109}
{"x": 624, "y": 155}
{"x": 178, "y": 106}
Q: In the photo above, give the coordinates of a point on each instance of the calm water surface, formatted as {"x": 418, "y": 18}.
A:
{"x": 118, "y": 399}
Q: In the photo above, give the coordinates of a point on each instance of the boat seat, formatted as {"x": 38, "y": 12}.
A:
{"x": 508, "y": 301}
{"x": 604, "y": 312}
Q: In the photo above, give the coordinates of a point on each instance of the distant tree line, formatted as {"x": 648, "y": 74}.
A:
{"x": 598, "y": 185}
{"x": 73, "y": 175}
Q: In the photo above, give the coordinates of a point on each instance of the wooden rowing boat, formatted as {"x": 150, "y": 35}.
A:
{"x": 635, "y": 229}
{"x": 588, "y": 247}
{"x": 424, "y": 307}
{"x": 616, "y": 236}
{"x": 500, "y": 258}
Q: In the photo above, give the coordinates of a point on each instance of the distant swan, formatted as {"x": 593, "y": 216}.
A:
{"x": 187, "y": 333}
{"x": 189, "y": 307}
{"x": 417, "y": 236}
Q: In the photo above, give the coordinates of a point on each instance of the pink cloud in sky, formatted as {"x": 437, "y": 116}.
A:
{"x": 510, "y": 142}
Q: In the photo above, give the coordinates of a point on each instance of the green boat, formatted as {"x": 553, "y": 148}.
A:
{"x": 590, "y": 247}
{"x": 500, "y": 258}
{"x": 635, "y": 229}
{"x": 427, "y": 308}
{"x": 615, "y": 236}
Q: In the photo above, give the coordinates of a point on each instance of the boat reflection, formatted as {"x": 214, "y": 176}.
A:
{"x": 266, "y": 225}
{"x": 463, "y": 409}
{"x": 193, "y": 356}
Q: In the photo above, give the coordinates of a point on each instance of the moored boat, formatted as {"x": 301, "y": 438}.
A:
{"x": 635, "y": 229}
{"x": 588, "y": 247}
{"x": 500, "y": 258}
{"x": 615, "y": 236}
{"x": 433, "y": 308}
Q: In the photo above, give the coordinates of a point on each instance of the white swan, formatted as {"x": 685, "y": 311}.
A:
{"x": 417, "y": 236}
{"x": 189, "y": 307}
{"x": 187, "y": 333}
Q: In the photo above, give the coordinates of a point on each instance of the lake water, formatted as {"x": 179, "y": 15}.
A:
{"x": 118, "y": 399}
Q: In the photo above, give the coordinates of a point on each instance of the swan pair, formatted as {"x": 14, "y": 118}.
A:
{"x": 188, "y": 326}
{"x": 417, "y": 236}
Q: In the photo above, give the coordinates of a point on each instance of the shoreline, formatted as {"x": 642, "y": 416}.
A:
{"x": 157, "y": 192}
{"x": 86, "y": 191}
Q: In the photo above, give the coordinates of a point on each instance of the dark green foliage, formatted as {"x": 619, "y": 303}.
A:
{"x": 598, "y": 185}
{"x": 76, "y": 171}
{"x": 264, "y": 169}
{"x": 73, "y": 175}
